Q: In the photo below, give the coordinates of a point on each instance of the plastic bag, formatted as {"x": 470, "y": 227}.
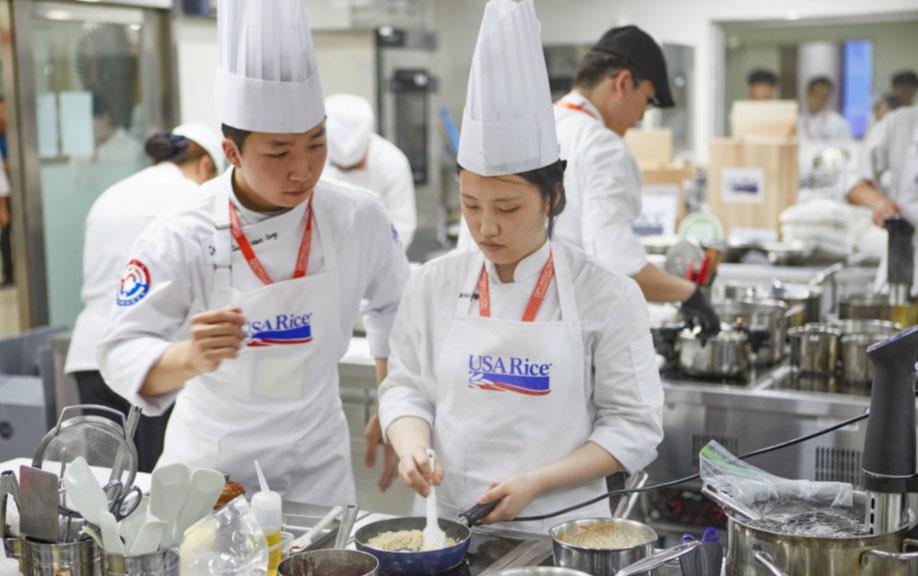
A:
{"x": 227, "y": 542}
{"x": 751, "y": 485}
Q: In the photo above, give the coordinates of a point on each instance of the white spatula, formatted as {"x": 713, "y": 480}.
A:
{"x": 434, "y": 537}
{"x": 148, "y": 538}
{"x": 168, "y": 494}
{"x": 110, "y": 537}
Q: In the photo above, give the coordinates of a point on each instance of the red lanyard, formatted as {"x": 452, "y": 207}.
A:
{"x": 577, "y": 107}
{"x": 535, "y": 301}
{"x": 302, "y": 257}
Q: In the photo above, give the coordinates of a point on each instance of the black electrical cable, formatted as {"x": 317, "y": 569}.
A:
{"x": 693, "y": 477}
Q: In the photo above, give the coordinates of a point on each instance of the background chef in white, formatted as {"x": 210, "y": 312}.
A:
{"x": 185, "y": 158}
{"x": 362, "y": 158}
{"x": 892, "y": 151}
{"x": 253, "y": 292}
{"x": 615, "y": 82}
{"x": 817, "y": 121}
{"x": 527, "y": 365}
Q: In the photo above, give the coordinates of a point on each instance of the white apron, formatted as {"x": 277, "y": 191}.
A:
{"x": 512, "y": 398}
{"x": 279, "y": 400}
{"x": 907, "y": 199}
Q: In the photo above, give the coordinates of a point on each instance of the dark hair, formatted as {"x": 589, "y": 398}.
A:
{"x": 891, "y": 101}
{"x": 762, "y": 76}
{"x": 824, "y": 80}
{"x": 598, "y": 65}
{"x": 237, "y": 135}
{"x": 905, "y": 78}
{"x": 167, "y": 147}
{"x": 550, "y": 182}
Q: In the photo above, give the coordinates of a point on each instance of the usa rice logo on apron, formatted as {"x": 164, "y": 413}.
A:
{"x": 509, "y": 374}
{"x": 281, "y": 330}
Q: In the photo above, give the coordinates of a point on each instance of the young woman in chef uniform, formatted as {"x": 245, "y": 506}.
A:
{"x": 239, "y": 307}
{"x": 528, "y": 367}
{"x": 185, "y": 158}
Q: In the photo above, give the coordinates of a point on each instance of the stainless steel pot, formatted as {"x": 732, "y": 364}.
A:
{"x": 876, "y": 555}
{"x": 541, "y": 571}
{"x": 768, "y": 314}
{"x": 602, "y": 561}
{"x": 877, "y": 307}
{"x": 163, "y": 563}
{"x": 723, "y": 356}
{"x": 808, "y": 298}
{"x": 857, "y": 336}
{"x": 330, "y": 563}
{"x": 814, "y": 349}
{"x": 80, "y": 558}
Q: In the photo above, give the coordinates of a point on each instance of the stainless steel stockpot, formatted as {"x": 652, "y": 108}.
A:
{"x": 770, "y": 315}
{"x": 601, "y": 560}
{"x": 723, "y": 356}
{"x": 814, "y": 349}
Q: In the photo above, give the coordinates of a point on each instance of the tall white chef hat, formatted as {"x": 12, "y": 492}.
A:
{"x": 508, "y": 125}
{"x": 348, "y": 126}
{"x": 268, "y": 78}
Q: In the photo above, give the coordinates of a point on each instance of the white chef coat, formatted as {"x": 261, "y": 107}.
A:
{"x": 176, "y": 251}
{"x": 619, "y": 367}
{"x": 386, "y": 173}
{"x": 603, "y": 186}
{"x": 116, "y": 219}
{"x": 824, "y": 126}
{"x": 5, "y": 187}
{"x": 892, "y": 157}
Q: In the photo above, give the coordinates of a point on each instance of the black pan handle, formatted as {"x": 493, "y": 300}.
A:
{"x": 474, "y": 515}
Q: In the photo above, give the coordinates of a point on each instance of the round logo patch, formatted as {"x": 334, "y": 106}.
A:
{"x": 135, "y": 283}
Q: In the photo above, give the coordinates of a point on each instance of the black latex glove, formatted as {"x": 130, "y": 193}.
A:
{"x": 698, "y": 311}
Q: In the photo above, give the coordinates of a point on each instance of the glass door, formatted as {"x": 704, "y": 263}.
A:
{"x": 96, "y": 88}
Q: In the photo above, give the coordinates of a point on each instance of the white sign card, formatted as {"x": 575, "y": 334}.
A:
{"x": 743, "y": 185}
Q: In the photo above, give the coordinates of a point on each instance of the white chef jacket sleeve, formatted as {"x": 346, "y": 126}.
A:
{"x": 387, "y": 273}
{"x": 408, "y": 388}
{"x": 627, "y": 391}
{"x": 611, "y": 195}
{"x": 875, "y": 160}
{"x": 398, "y": 197}
{"x": 139, "y": 333}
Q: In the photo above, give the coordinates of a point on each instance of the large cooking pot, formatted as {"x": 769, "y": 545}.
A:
{"x": 723, "y": 356}
{"x": 807, "y": 298}
{"x": 635, "y": 556}
{"x": 857, "y": 336}
{"x": 814, "y": 349}
{"x": 877, "y": 307}
{"x": 329, "y": 563}
{"x": 770, "y": 315}
{"x": 875, "y": 555}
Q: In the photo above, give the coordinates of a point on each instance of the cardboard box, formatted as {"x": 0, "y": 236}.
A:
{"x": 751, "y": 182}
{"x": 651, "y": 148}
{"x": 769, "y": 119}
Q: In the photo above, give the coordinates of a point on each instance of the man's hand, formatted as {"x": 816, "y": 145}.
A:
{"x": 216, "y": 335}
{"x": 374, "y": 438}
{"x": 884, "y": 208}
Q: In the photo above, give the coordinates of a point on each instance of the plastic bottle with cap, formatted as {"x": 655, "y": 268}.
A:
{"x": 268, "y": 509}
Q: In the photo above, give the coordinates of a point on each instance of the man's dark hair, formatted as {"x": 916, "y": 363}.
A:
{"x": 905, "y": 78}
{"x": 598, "y": 65}
{"x": 823, "y": 80}
{"x": 237, "y": 135}
{"x": 762, "y": 76}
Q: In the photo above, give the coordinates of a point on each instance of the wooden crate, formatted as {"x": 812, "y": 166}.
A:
{"x": 751, "y": 182}
{"x": 770, "y": 119}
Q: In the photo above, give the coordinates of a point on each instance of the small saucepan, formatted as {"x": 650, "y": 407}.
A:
{"x": 330, "y": 563}
{"x": 423, "y": 563}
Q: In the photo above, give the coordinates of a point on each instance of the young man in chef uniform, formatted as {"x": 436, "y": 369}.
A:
{"x": 238, "y": 308}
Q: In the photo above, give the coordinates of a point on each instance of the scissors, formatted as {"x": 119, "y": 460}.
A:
{"x": 123, "y": 503}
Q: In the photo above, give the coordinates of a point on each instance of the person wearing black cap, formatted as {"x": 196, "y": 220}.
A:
{"x": 615, "y": 81}
{"x": 761, "y": 84}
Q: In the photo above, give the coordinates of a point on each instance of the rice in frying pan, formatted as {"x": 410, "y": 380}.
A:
{"x": 403, "y": 541}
